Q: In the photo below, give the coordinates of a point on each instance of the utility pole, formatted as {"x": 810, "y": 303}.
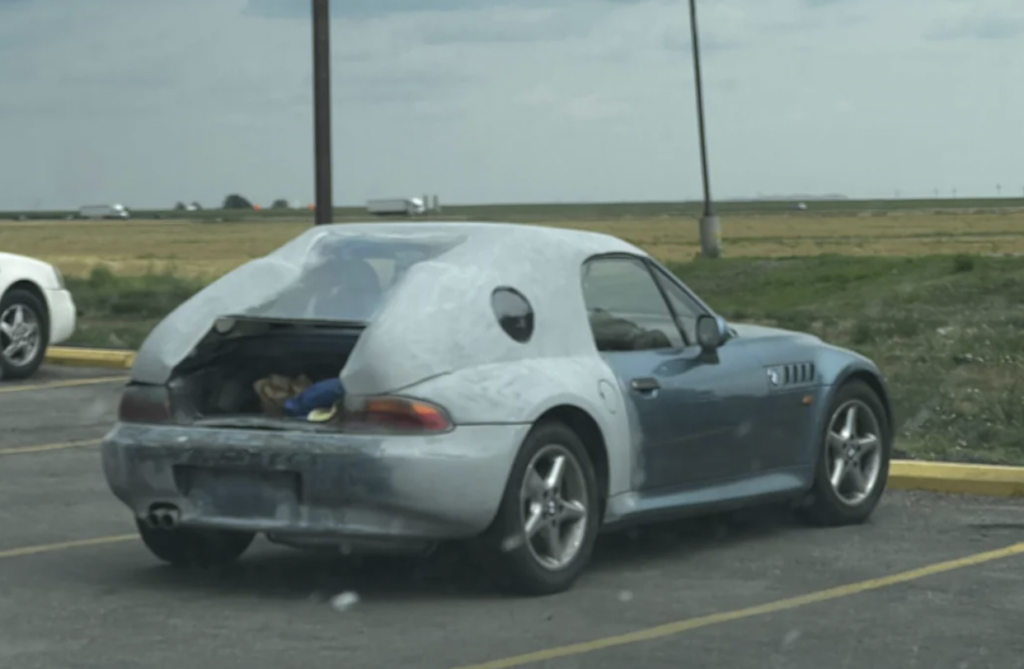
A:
{"x": 322, "y": 109}
{"x": 710, "y": 225}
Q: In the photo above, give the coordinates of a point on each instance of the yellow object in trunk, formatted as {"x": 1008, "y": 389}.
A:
{"x": 277, "y": 389}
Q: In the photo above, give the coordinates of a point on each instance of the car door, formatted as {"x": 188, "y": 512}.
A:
{"x": 735, "y": 373}
{"x": 689, "y": 407}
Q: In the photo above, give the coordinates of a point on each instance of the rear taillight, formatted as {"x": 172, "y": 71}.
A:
{"x": 395, "y": 414}
{"x": 145, "y": 404}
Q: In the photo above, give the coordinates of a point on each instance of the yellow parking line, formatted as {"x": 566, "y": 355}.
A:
{"x": 681, "y": 626}
{"x": 49, "y": 447}
{"x": 70, "y": 383}
{"x": 65, "y": 545}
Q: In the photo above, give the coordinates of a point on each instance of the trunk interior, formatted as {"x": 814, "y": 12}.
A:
{"x": 219, "y": 381}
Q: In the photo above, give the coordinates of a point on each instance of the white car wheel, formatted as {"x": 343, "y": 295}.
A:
{"x": 24, "y": 334}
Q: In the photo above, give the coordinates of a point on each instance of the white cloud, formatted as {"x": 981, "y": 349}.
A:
{"x": 150, "y": 102}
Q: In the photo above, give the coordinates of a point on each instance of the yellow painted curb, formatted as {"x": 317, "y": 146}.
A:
{"x": 951, "y": 478}
{"x": 90, "y": 357}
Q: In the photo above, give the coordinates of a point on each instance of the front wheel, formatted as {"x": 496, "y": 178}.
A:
{"x": 187, "y": 547}
{"x": 853, "y": 464}
{"x": 546, "y": 527}
{"x": 24, "y": 331}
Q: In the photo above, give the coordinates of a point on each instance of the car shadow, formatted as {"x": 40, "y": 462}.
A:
{"x": 451, "y": 572}
{"x": 653, "y": 546}
{"x": 293, "y": 574}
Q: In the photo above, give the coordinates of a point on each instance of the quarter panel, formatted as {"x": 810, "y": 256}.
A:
{"x": 521, "y": 392}
{"x": 837, "y": 365}
{"x": 15, "y": 268}
{"x": 796, "y": 429}
{"x": 834, "y": 365}
{"x": 63, "y": 315}
{"x": 845, "y": 364}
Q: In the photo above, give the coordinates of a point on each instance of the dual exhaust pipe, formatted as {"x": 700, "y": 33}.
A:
{"x": 163, "y": 517}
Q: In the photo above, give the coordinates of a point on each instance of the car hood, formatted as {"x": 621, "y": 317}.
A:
{"x": 14, "y": 259}
{"x": 14, "y": 267}
{"x": 751, "y": 331}
{"x": 833, "y": 360}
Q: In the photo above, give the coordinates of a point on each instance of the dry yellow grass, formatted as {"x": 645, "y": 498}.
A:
{"x": 191, "y": 248}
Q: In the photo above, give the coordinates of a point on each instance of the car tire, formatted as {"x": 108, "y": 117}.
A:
{"x": 854, "y": 499}
{"x": 186, "y": 547}
{"x": 530, "y": 566}
{"x": 34, "y": 308}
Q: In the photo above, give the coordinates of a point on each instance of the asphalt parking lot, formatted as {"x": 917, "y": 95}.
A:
{"x": 752, "y": 590}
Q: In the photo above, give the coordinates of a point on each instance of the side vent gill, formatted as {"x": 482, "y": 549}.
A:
{"x": 799, "y": 374}
{"x": 795, "y": 374}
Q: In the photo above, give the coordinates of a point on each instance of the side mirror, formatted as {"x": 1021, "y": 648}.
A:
{"x": 712, "y": 332}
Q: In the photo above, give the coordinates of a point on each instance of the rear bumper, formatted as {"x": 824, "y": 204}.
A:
{"x": 63, "y": 315}
{"x": 315, "y": 487}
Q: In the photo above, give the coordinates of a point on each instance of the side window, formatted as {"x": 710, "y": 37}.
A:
{"x": 627, "y": 311}
{"x": 514, "y": 313}
{"x": 682, "y": 304}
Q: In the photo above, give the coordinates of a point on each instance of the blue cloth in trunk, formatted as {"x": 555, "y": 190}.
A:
{"x": 320, "y": 395}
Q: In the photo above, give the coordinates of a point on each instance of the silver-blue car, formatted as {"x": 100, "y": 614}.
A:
{"x": 389, "y": 387}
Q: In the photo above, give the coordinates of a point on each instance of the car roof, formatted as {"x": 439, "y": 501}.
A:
{"x": 517, "y": 238}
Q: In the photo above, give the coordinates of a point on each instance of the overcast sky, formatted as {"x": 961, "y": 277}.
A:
{"x": 150, "y": 101}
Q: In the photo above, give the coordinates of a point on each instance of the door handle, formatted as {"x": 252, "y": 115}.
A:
{"x": 646, "y": 385}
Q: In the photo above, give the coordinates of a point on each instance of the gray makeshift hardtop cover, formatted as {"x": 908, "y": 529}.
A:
{"x": 422, "y": 290}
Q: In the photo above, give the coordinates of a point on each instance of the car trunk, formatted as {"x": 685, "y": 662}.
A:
{"x": 219, "y": 381}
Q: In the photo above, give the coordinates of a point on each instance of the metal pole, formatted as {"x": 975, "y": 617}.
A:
{"x": 322, "y": 109}
{"x": 710, "y": 226}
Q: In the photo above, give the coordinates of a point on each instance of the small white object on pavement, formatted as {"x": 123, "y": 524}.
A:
{"x": 344, "y": 601}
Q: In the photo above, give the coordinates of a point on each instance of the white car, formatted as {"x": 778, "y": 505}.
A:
{"x": 36, "y": 310}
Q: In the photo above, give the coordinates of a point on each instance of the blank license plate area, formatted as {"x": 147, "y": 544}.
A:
{"x": 239, "y": 494}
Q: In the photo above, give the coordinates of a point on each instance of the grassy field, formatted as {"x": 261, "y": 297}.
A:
{"x": 936, "y": 299}
{"x": 206, "y": 249}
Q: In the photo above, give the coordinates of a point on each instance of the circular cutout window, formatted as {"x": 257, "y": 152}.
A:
{"x": 514, "y": 313}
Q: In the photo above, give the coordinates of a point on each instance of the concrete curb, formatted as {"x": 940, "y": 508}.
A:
{"x": 90, "y": 357}
{"x": 942, "y": 477}
{"x": 954, "y": 478}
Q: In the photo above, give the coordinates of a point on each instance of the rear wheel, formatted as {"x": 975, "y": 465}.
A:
{"x": 187, "y": 547}
{"x": 24, "y": 334}
{"x": 544, "y": 533}
{"x": 853, "y": 465}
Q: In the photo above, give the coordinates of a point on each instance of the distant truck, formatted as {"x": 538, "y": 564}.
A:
{"x": 412, "y": 206}
{"x": 94, "y": 211}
